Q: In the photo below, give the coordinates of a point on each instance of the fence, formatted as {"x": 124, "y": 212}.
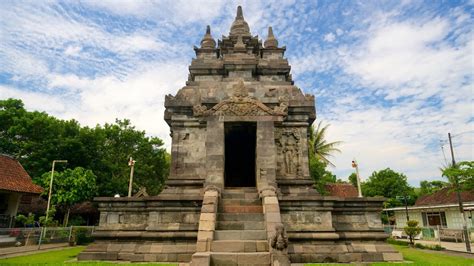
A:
{"x": 432, "y": 233}
{"x": 38, "y": 236}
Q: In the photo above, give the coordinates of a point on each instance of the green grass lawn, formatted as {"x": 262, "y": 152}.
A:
{"x": 58, "y": 257}
{"x": 421, "y": 257}
{"x": 416, "y": 257}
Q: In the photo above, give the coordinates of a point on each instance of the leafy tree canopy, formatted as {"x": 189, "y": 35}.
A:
{"x": 389, "y": 184}
{"x": 430, "y": 187}
{"x": 36, "y": 139}
{"x": 462, "y": 173}
{"x": 319, "y": 151}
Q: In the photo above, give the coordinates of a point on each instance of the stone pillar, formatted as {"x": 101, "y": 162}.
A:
{"x": 266, "y": 155}
{"x": 215, "y": 153}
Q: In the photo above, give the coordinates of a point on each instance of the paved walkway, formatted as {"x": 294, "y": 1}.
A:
{"x": 27, "y": 250}
{"x": 447, "y": 245}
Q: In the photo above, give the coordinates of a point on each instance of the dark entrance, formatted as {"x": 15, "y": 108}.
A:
{"x": 240, "y": 141}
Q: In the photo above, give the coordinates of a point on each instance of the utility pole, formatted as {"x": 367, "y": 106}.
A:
{"x": 51, "y": 185}
{"x": 458, "y": 192}
{"x": 131, "y": 163}
{"x": 356, "y": 166}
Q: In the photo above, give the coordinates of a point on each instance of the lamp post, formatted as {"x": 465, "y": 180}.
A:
{"x": 458, "y": 193}
{"x": 131, "y": 163}
{"x": 51, "y": 185}
{"x": 356, "y": 166}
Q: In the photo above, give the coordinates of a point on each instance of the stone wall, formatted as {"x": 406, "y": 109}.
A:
{"x": 162, "y": 228}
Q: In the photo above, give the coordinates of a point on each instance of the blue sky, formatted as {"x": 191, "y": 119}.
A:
{"x": 391, "y": 77}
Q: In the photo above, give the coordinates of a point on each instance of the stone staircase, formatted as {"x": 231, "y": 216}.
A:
{"x": 240, "y": 237}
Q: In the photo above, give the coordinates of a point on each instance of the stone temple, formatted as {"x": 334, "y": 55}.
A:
{"x": 239, "y": 190}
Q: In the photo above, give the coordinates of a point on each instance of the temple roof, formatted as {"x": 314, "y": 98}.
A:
{"x": 239, "y": 27}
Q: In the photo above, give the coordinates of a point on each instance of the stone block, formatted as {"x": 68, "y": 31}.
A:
{"x": 143, "y": 248}
{"x": 149, "y": 257}
{"x": 156, "y": 248}
{"x": 162, "y": 257}
{"x": 202, "y": 246}
{"x": 208, "y": 217}
{"x": 372, "y": 257}
{"x": 184, "y": 257}
{"x": 97, "y": 256}
{"x": 253, "y": 258}
{"x": 270, "y": 200}
{"x": 224, "y": 259}
{"x": 273, "y": 217}
{"x": 114, "y": 247}
{"x": 389, "y": 256}
{"x": 210, "y": 208}
{"x": 250, "y": 246}
{"x": 203, "y": 235}
{"x": 207, "y": 225}
{"x": 128, "y": 247}
{"x": 201, "y": 259}
{"x": 126, "y": 256}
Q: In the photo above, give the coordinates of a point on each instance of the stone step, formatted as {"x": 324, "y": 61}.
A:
{"x": 241, "y": 209}
{"x": 239, "y": 246}
{"x": 240, "y": 217}
{"x": 240, "y": 202}
{"x": 240, "y": 193}
{"x": 240, "y": 225}
{"x": 240, "y": 235}
{"x": 245, "y": 258}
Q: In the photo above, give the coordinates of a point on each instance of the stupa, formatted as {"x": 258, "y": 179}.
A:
{"x": 239, "y": 190}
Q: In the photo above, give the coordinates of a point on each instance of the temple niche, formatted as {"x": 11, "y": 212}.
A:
{"x": 239, "y": 189}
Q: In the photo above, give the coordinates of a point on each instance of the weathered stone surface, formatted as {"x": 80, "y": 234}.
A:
{"x": 239, "y": 176}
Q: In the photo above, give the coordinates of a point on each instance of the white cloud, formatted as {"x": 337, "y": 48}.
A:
{"x": 330, "y": 37}
{"x": 35, "y": 100}
{"x": 73, "y": 50}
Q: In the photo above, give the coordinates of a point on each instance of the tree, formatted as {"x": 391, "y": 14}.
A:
{"x": 430, "y": 187}
{"x": 412, "y": 229}
{"x": 462, "y": 173}
{"x": 70, "y": 186}
{"x": 353, "y": 179}
{"x": 389, "y": 184}
{"x": 319, "y": 146}
{"x": 319, "y": 150}
{"x": 36, "y": 139}
{"x": 120, "y": 141}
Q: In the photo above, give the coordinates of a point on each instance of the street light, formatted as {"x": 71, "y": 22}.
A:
{"x": 51, "y": 185}
{"x": 356, "y": 166}
{"x": 131, "y": 163}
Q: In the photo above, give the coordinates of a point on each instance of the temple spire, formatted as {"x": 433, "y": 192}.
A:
{"x": 239, "y": 26}
{"x": 271, "y": 41}
{"x": 207, "y": 41}
{"x": 240, "y": 14}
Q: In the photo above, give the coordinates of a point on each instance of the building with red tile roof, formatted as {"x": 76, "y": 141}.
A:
{"x": 343, "y": 190}
{"x": 438, "y": 209}
{"x": 14, "y": 182}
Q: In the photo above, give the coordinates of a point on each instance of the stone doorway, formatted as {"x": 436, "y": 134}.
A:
{"x": 240, "y": 141}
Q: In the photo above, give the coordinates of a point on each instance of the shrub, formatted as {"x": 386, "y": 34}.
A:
{"x": 412, "y": 229}
{"x": 83, "y": 236}
{"x": 397, "y": 242}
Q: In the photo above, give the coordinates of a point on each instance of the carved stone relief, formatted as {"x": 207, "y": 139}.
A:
{"x": 241, "y": 104}
{"x": 288, "y": 146}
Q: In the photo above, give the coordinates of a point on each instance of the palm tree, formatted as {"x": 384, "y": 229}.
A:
{"x": 319, "y": 146}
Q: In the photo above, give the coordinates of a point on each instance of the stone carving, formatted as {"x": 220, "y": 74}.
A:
{"x": 267, "y": 191}
{"x": 212, "y": 188}
{"x": 288, "y": 143}
{"x": 241, "y": 104}
{"x": 279, "y": 240}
